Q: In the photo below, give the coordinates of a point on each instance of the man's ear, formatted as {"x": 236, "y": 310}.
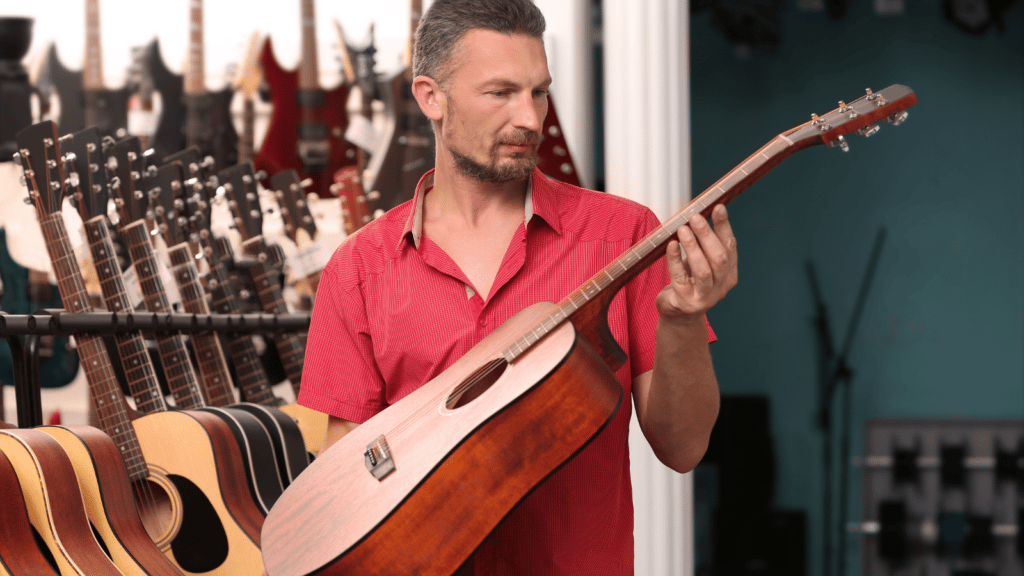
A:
{"x": 429, "y": 96}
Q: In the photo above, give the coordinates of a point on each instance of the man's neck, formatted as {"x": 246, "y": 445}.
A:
{"x": 457, "y": 196}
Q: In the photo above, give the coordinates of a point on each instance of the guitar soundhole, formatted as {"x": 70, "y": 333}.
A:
{"x": 481, "y": 380}
{"x": 202, "y": 544}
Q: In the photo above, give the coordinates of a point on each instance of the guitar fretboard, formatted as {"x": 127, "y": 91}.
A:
{"x": 613, "y": 276}
{"x": 193, "y": 81}
{"x": 212, "y": 364}
{"x": 92, "y": 68}
{"x": 309, "y": 71}
{"x": 104, "y": 389}
{"x": 181, "y": 377}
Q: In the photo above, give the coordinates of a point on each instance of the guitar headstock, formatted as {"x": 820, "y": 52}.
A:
{"x": 292, "y": 202}
{"x": 195, "y": 165}
{"x": 39, "y": 155}
{"x": 239, "y": 183}
{"x": 126, "y": 171}
{"x": 167, "y": 189}
{"x": 860, "y": 116}
{"x": 357, "y": 207}
{"x": 86, "y": 179}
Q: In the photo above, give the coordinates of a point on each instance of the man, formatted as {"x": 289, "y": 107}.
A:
{"x": 487, "y": 235}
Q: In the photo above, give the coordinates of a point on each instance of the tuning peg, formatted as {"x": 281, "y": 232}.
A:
{"x": 869, "y": 131}
{"x": 897, "y": 118}
{"x": 111, "y": 163}
{"x": 841, "y": 143}
{"x": 28, "y": 200}
{"x": 17, "y": 159}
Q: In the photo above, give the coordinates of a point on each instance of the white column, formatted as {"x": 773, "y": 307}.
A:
{"x": 569, "y": 43}
{"x": 647, "y": 159}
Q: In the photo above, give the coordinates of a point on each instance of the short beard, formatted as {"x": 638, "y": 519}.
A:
{"x": 519, "y": 167}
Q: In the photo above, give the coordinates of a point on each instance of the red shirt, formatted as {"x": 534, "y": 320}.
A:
{"x": 393, "y": 311}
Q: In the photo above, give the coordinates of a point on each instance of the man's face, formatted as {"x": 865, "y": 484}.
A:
{"x": 496, "y": 101}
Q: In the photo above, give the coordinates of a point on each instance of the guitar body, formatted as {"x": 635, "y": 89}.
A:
{"x": 107, "y": 110}
{"x": 109, "y": 501}
{"x": 169, "y": 136}
{"x": 58, "y": 362}
{"x": 304, "y": 116}
{"x": 312, "y": 423}
{"x": 406, "y": 151}
{"x": 220, "y": 527}
{"x": 54, "y": 503}
{"x": 290, "y": 446}
{"x": 460, "y": 464}
{"x": 19, "y": 554}
{"x": 258, "y": 452}
{"x": 208, "y": 125}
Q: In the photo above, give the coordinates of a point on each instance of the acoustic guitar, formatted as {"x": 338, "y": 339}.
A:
{"x": 124, "y": 160}
{"x": 184, "y": 466}
{"x": 192, "y": 204}
{"x": 416, "y": 488}
{"x": 19, "y": 553}
{"x": 55, "y": 506}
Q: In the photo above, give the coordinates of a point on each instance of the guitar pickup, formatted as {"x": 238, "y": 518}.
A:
{"x": 378, "y": 458}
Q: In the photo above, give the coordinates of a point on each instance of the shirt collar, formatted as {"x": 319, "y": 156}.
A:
{"x": 544, "y": 205}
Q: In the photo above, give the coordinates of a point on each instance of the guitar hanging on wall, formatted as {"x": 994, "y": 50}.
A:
{"x": 476, "y": 439}
{"x": 307, "y": 126}
{"x": 84, "y": 101}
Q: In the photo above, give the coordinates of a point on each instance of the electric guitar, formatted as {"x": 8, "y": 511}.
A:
{"x": 247, "y": 85}
{"x": 169, "y": 136}
{"x": 84, "y": 100}
{"x": 308, "y": 123}
{"x": 208, "y": 122}
{"x": 185, "y": 467}
{"x": 406, "y": 149}
{"x": 416, "y": 488}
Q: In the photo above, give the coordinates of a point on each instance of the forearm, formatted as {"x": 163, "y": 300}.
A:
{"x": 679, "y": 405}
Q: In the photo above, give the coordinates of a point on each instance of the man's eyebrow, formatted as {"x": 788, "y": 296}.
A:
{"x": 507, "y": 83}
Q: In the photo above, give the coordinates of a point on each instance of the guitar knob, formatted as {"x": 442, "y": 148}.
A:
{"x": 898, "y": 118}
{"x": 869, "y": 131}
{"x": 841, "y": 143}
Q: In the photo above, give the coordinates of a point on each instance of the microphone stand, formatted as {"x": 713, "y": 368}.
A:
{"x": 834, "y": 372}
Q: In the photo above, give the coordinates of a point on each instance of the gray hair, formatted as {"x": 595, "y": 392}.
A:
{"x": 447, "y": 22}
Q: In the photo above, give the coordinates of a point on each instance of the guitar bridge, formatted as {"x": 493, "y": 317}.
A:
{"x": 378, "y": 458}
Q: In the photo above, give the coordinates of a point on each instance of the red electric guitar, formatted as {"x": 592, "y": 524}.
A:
{"x": 307, "y": 126}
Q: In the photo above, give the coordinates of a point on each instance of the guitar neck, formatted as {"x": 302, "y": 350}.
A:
{"x": 92, "y": 67}
{"x": 269, "y": 292}
{"x": 194, "y": 84}
{"x": 309, "y": 72}
{"x": 212, "y": 363}
{"x": 181, "y": 377}
{"x": 104, "y": 389}
{"x": 138, "y": 367}
{"x": 247, "y": 139}
{"x": 252, "y": 378}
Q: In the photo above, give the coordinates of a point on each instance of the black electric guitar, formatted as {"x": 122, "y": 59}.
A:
{"x": 84, "y": 100}
{"x": 416, "y": 488}
{"x": 169, "y": 136}
{"x": 185, "y": 467}
{"x": 406, "y": 148}
{"x": 208, "y": 123}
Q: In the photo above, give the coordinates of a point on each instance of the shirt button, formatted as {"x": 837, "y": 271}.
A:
{"x": 483, "y": 322}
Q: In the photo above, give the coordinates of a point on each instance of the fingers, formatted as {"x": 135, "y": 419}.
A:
{"x": 710, "y": 253}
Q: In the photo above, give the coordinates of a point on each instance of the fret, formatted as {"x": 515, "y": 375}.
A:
{"x": 194, "y": 73}
{"x": 92, "y": 69}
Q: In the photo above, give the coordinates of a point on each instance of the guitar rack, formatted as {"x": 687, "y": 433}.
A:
{"x": 57, "y": 322}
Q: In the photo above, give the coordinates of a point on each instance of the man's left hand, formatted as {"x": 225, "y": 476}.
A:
{"x": 702, "y": 265}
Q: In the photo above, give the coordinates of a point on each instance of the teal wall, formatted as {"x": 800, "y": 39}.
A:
{"x": 941, "y": 332}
